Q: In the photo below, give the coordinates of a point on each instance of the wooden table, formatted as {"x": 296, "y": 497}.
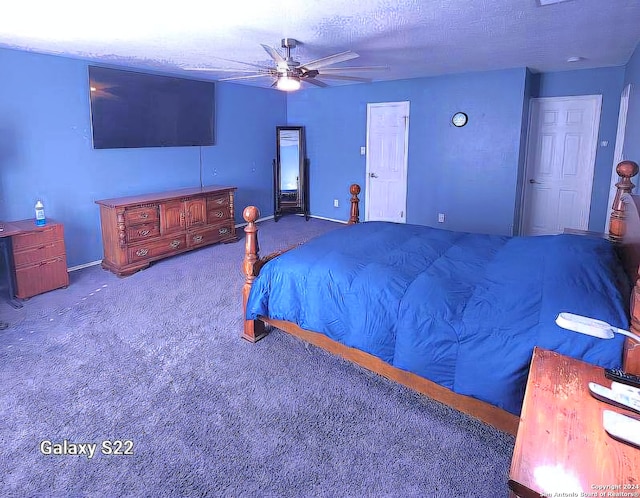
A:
{"x": 561, "y": 447}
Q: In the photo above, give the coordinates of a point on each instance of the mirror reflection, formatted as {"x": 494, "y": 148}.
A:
{"x": 289, "y": 172}
{"x": 289, "y": 142}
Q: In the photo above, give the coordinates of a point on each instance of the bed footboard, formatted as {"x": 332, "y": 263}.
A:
{"x": 254, "y": 330}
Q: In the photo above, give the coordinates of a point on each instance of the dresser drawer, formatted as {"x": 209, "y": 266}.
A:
{"x": 39, "y": 237}
{"x": 137, "y": 216}
{"x": 143, "y": 232}
{"x": 149, "y": 250}
{"x": 217, "y": 214}
{"x": 38, "y": 253}
{"x": 217, "y": 201}
{"x": 211, "y": 235}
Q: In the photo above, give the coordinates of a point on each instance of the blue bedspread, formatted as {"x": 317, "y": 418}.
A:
{"x": 463, "y": 310}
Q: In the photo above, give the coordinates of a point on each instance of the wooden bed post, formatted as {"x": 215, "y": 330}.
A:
{"x": 355, "y": 209}
{"x": 626, "y": 170}
{"x": 623, "y": 230}
{"x": 254, "y": 330}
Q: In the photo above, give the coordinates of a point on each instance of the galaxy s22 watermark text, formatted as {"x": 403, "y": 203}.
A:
{"x": 106, "y": 447}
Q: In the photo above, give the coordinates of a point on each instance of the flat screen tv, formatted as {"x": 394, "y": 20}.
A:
{"x": 132, "y": 109}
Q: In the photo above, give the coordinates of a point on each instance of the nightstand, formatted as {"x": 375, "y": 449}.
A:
{"x": 561, "y": 447}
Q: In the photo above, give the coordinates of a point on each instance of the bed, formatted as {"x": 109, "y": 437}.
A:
{"x": 452, "y": 315}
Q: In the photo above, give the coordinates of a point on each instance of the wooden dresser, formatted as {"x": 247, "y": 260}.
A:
{"x": 139, "y": 229}
{"x": 39, "y": 258}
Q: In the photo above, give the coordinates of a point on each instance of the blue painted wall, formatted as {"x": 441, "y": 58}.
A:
{"x": 46, "y": 152}
{"x": 607, "y": 82}
{"x": 469, "y": 174}
{"x": 631, "y": 149}
{"x": 472, "y": 174}
{"x": 531, "y": 89}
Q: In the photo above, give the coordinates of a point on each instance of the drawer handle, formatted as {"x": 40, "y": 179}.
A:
{"x": 220, "y": 201}
{"x": 222, "y": 231}
{"x": 144, "y": 233}
{"x": 57, "y": 260}
{"x": 175, "y": 244}
{"x": 197, "y": 238}
{"x": 219, "y": 214}
{"x": 142, "y": 252}
{"x": 144, "y": 216}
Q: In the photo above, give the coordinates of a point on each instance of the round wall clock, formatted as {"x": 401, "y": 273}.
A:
{"x": 459, "y": 119}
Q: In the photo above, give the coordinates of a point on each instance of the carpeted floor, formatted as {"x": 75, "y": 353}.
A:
{"x": 156, "y": 359}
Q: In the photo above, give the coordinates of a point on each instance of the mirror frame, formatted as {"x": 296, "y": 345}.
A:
{"x": 283, "y": 204}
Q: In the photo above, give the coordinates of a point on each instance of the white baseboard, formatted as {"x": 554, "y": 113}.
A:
{"x": 86, "y": 265}
{"x": 240, "y": 225}
{"x": 329, "y": 219}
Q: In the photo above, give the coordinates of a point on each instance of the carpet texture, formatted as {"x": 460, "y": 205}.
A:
{"x": 156, "y": 359}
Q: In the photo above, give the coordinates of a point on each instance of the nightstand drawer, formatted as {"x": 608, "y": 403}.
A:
{"x": 41, "y": 277}
{"x": 39, "y": 237}
{"x": 38, "y": 254}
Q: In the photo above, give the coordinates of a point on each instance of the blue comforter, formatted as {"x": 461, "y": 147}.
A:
{"x": 463, "y": 310}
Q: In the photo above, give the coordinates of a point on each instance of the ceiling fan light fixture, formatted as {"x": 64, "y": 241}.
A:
{"x": 288, "y": 83}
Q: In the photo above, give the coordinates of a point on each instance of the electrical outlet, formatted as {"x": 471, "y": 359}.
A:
{"x": 336, "y": 203}
{"x": 363, "y": 151}
{"x": 440, "y": 217}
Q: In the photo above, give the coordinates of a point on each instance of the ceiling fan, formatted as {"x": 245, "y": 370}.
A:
{"x": 289, "y": 73}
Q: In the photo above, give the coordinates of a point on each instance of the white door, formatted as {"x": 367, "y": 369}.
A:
{"x": 387, "y": 159}
{"x": 561, "y": 153}
{"x": 618, "y": 153}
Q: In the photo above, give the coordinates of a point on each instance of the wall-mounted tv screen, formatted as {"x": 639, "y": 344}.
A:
{"x": 131, "y": 109}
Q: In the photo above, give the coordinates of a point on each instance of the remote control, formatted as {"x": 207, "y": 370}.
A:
{"x": 622, "y": 376}
{"x": 626, "y": 429}
{"x": 625, "y": 389}
{"x": 623, "y": 400}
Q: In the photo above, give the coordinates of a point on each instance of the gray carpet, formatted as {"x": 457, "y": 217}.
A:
{"x": 156, "y": 358}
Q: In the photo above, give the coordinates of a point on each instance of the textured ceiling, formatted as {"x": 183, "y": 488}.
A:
{"x": 414, "y": 38}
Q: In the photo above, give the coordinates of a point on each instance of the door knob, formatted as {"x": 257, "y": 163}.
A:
{"x": 373, "y": 175}
{"x": 535, "y": 181}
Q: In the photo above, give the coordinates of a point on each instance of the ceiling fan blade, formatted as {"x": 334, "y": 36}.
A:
{"x": 248, "y": 77}
{"x": 354, "y": 68}
{"x": 331, "y": 59}
{"x": 315, "y": 82}
{"x": 275, "y": 55}
{"x": 222, "y": 70}
{"x": 343, "y": 77}
{"x": 250, "y": 64}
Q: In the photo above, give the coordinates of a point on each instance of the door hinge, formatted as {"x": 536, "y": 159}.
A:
{"x": 401, "y": 214}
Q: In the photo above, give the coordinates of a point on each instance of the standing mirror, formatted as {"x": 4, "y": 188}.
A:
{"x": 290, "y": 173}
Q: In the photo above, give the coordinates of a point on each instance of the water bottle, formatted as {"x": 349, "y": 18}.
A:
{"x": 40, "y": 220}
